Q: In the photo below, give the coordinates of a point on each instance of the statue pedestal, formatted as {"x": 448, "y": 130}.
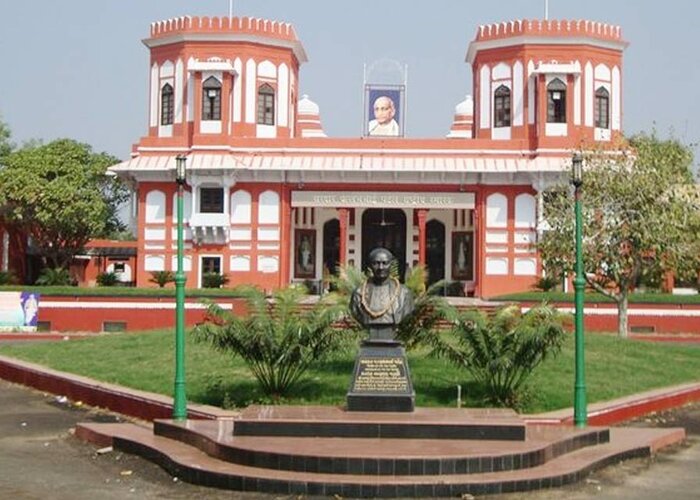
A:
{"x": 381, "y": 379}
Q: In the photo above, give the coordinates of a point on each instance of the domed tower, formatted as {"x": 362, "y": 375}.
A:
{"x": 463, "y": 124}
{"x": 309, "y": 119}
{"x": 554, "y": 83}
{"x": 214, "y": 79}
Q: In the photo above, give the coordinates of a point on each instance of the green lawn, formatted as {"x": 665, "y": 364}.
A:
{"x": 634, "y": 298}
{"x": 144, "y": 361}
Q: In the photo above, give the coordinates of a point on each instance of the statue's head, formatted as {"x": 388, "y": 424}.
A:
{"x": 380, "y": 260}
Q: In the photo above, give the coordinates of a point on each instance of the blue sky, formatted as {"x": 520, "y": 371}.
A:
{"x": 78, "y": 69}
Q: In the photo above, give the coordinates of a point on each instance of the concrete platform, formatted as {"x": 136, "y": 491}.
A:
{"x": 211, "y": 454}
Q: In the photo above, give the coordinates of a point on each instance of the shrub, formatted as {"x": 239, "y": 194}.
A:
{"x": 107, "y": 279}
{"x": 55, "y": 277}
{"x": 161, "y": 278}
{"x": 214, "y": 280}
{"x": 502, "y": 350}
{"x": 278, "y": 339}
{"x": 7, "y": 278}
{"x": 546, "y": 283}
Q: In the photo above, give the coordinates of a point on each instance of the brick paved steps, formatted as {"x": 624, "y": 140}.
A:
{"x": 380, "y": 456}
{"x": 194, "y": 465}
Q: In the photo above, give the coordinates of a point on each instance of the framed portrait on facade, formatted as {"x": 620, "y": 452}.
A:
{"x": 463, "y": 255}
{"x": 384, "y": 110}
{"x": 305, "y": 253}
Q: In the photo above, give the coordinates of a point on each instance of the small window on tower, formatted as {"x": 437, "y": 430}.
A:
{"x": 211, "y": 99}
{"x": 556, "y": 101}
{"x": 602, "y": 108}
{"x": 266, "y": 105}
{"x": 501, "y": 107}
{"x": 166, "y": 105}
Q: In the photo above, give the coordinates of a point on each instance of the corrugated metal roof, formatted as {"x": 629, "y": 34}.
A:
{"x": 336, "y": 163}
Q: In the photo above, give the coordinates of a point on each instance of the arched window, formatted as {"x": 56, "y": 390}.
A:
{"x": 166, "y": 104}
{"x": 556, "y": 101}
{"x": 266, "y": 105}
{"x": 602, "y": 108}
{"x": 211, "y": 99}
{"x": 501, "y": 107}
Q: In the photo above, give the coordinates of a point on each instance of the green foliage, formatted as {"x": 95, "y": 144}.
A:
{"x": 107, "y": 279}
{"x": 214, "y": 280}
{"x": 6, "y": 145}
{"x": 278, "y": 338}
{"x": 501, "y": 351}
{"x": 60, "y": 196}
{"x": 597, "y": 298}
{"x": 7, "y": 278}
{"x": 614, "y": 368}
{"x": 430, "y": 308}
{"x": 641, "y": 216}
{"x": 546, "y": 283}
{"x": 55, "y": 277}
{"x": 161, "y": 278}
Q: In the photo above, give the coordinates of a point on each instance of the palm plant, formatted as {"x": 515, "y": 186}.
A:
{"x": 279, "y": 337}
{"x": 54, "y": 277}
{"x": 501, "y": 351}
{"x": 162, "y": 278}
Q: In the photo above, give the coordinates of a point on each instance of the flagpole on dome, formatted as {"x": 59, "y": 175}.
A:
{"x": 230, "y": 9}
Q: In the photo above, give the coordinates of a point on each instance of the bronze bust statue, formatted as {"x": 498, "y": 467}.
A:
{"x": 381, "y": 302}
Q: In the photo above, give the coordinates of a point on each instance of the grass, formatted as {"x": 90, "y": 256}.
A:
{"x": 641, "y": 298}
{"x": 614, "y": 368}
{"x": 116, "y": 291}
{"x": 169, "y": 291}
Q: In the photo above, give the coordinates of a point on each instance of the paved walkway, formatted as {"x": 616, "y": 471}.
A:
{"x": 35, "y": 435}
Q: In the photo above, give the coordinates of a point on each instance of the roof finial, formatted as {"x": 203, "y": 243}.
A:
{"x": 546, "y": 10}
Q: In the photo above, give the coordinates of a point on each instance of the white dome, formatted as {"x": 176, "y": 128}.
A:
{"x": 466, "y": 107}
{"x": 307, "y": 107}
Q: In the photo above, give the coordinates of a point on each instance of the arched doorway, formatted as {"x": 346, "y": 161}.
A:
{"x": 384, "y": 227}
{"x": 331, "y": 246}
{"x": 435, "y": 251}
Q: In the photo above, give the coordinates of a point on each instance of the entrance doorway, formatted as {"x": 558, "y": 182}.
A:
{"x": 331, "y": 246}
{"x": 435, "y": 251}
{"x": 384, "y": 227}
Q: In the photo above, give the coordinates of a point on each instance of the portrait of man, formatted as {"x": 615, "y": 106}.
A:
{"x": 383, "y": 123}
{"x": 384, "y": 112}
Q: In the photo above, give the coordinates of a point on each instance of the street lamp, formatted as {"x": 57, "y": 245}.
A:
{"x": 580, "y": 412}
{"x": 180, "y": 399}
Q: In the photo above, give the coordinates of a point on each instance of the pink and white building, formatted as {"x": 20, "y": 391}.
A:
{"x": 272, "y": 200}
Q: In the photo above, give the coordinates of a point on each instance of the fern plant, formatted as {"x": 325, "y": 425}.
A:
{"x": 278, "y": 338}
{"x": 162, "y": 278}
{"x": 501, "y": 351}
{"x": 55, "y": 277}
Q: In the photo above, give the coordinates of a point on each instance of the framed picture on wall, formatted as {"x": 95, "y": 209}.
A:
{"x": 463, "y": 255}
{"x": 305, "y": 253}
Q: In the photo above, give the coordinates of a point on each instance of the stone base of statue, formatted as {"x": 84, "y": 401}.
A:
{"x": 381, "y": 380}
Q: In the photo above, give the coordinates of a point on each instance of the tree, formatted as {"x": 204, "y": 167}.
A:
{"x": 6, "y": 146}
{"x": 641, "y": 217}
{"x": 60, "y": 195}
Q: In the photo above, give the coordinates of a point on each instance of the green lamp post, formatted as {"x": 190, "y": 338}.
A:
{"x": 180, "y": 399}
{"x": 580, "y": 411}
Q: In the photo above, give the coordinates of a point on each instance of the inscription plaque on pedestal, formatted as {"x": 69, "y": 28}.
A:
{"x": 381, "y": 380}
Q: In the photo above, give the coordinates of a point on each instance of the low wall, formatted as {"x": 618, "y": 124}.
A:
{"x": 97, "y": 314}
{"x": 642, "y": 317}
